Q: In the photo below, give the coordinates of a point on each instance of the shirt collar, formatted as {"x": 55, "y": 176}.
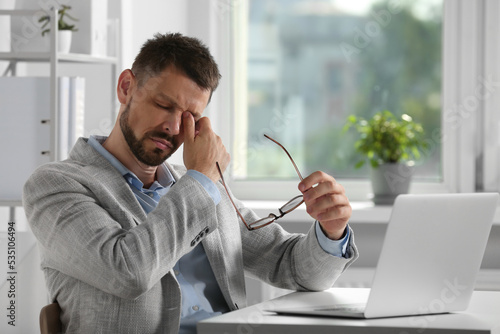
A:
{"x": 163, "y": 175}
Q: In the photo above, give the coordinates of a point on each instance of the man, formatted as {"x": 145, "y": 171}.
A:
{"x": 130, "y": 244}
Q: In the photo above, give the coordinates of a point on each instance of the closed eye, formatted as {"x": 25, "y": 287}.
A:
{"x": 164, "y": 107}
{"x": 172, "y": 108}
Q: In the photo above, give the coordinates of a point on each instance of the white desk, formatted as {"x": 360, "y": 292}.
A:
{"x": 482, "y": 316}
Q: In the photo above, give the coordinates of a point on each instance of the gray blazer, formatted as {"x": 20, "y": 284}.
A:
{"x": 110, "y": 266}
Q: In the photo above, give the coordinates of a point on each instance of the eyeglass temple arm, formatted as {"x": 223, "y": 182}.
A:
{"x": 230, "y": 198}
{"x": 284, "y": 149}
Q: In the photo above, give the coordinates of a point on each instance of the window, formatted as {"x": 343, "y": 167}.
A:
{"x": 300, "y": 67}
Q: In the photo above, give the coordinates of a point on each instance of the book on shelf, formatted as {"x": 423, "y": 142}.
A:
{"x": 25, "y": 126}
{"x": 71, "y": 113}
{"x": 92, "y": 27}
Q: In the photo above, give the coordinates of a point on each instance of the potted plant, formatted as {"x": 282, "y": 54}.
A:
{"x": 391, "y": 145}
{"x": 64, "y": 29}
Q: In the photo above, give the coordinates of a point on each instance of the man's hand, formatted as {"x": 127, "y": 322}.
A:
{"x": 327, "y": 203}
{"x": 202, "y": 147}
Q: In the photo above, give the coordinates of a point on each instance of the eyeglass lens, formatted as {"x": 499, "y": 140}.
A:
{"x": 286, "y": 208}
{"x": 292, "y": 204}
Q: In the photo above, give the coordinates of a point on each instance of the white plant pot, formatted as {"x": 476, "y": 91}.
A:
{"x": 64, "y": 41}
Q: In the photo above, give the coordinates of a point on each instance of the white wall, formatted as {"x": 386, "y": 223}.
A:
{"x": 148, "y": 17}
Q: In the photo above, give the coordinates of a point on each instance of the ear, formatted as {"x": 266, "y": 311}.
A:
{"x": 126, "y": 81}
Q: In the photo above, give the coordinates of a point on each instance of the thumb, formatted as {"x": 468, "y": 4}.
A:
{"x": 189, "y": 127}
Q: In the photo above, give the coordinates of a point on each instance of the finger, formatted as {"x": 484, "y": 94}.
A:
{"x": 340, "y": 213}
{"x": 314, "y": 178}
{"x": 334, "y": 225}
{"x": 324, "y": 188}
{"x": 196, "y": 129}
{"x": 224, "y": 161}
{"x": 188, "y": 127}
{"x": 204, "y": 126}
{"x": 326, "y": 203}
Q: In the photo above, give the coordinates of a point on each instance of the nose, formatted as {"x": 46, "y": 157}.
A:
{"x": 172, "y": 124}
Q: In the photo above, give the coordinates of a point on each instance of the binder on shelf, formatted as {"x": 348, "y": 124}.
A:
{"x": 77, "y": 110}
{"x": 63, "y": 112}
{"x": 91, "y": 37}
{"x": 71, "y": 113}
{"x": 25, "y": 132}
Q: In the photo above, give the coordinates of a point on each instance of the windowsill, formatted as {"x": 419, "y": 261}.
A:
{"x": 362, "y": 212}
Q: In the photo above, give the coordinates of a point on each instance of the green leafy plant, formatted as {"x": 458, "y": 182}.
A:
{"x": 61, "y": 24}
{"x": 387, "y": 139}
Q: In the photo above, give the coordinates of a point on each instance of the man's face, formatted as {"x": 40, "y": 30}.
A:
{"x": 152, "y": 120}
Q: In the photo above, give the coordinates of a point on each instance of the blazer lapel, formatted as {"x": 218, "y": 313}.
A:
{"x": 112, "y": 179}
{"x": 218, "y": 258}
{"x": 108, "y": 176}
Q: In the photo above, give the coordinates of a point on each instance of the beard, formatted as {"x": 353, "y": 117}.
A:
{"x": 153, "y": 157}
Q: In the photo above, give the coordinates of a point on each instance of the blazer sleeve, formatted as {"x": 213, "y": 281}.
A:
{"x": 291, "y": 261}
{"x": 85, "y": 232}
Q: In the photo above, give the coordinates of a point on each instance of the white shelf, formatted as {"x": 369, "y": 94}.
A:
{"x": 62, "y": 57}
{"x": 78, "y": 57}
{"x": 11, "y": 202}
{"x": 19, "y": 12}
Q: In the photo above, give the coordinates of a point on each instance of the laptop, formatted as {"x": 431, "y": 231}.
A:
{"x": 430, "y": 258}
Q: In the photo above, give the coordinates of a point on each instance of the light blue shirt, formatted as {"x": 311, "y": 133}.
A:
{"x": 201, "y": 294}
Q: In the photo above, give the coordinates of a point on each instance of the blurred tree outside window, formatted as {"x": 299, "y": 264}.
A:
{"x": 311, "y": 64}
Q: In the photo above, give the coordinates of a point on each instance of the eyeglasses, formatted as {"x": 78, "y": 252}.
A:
{"x": 289, "y": 206}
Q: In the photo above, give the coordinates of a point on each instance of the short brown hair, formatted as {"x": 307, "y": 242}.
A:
{"x": 187, "y": 54}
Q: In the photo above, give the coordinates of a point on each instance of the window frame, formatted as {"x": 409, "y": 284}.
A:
{"x": 466, "y": 57}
